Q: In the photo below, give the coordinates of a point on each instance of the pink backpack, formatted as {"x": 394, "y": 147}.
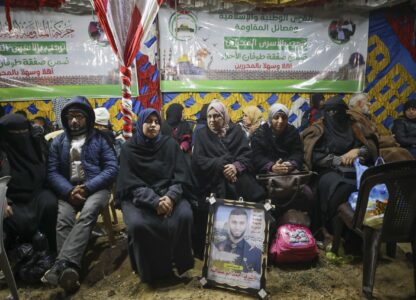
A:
{"x": 293, "y": 243}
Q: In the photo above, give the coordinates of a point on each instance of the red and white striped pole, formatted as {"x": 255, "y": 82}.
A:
{"x": 126, "y": 104}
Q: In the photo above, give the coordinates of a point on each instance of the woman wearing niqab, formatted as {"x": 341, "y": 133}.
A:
{"x": 33, "y": 206}
{"x": 331, "y": 145}
{"x": 152, "y": 188}
{"x": 177, "y": 128}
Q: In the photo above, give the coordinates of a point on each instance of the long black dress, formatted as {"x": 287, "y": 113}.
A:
{"x": 404, "y": 130}
{"x": 34, "y": 207}
{"x": 150, "y": 169}
{"x": 268, "y": 147}
{"x": 211, "y": 153}
{"x": 334, "y": 186}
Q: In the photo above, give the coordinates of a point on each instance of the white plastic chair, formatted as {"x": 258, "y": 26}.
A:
{"x": 4, "y": 261}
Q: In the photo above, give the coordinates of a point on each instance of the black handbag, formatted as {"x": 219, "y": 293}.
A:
{"x": 283, "y": 189}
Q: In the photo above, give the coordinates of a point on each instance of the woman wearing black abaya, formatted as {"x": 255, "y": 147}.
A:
{"x": 221, "y": 159}
{"x": 221, "y": 163}
{"x": 331, "y": 145}
{"x": 151, "y": 188}
{"x": 277, "y": 149}
{"x": 177, "y": 128}
{"x": 30, "y": 207}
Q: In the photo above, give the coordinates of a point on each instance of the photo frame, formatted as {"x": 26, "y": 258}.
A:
{"x": 236, "y": 246}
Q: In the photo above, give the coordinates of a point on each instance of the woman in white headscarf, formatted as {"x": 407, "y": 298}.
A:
{"x": 277, "y": 148}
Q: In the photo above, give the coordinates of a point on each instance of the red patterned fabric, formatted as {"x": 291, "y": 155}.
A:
{"x": 403, "y": 24}
{"x": 149, "y": 84}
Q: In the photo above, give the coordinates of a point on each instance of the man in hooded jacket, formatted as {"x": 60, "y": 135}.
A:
{"x": 81, "y": 168}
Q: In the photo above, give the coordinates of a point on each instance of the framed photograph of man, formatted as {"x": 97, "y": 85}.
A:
{"x": 236, "y": 246}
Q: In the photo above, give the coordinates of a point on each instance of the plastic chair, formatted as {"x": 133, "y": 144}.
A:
{"x": 4, "y": 261}
{"x": 399, "y": 222}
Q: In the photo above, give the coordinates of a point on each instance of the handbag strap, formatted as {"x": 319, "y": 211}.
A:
{"x": 271, "y": 175}
{"x": 379, "y": 161}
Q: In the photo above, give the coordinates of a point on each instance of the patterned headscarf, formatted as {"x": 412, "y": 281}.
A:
{"x": 276, "y": 108}
{"x": 220, "y": 108}
{"x": 253, "y": 113}
{"x": 57, "y": 106}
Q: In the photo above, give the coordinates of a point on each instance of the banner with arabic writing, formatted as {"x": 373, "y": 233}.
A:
{"x": 291, "y": 51}
{"x": 49, "y": 54}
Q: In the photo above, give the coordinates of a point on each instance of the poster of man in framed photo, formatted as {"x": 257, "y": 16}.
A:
{"x": 236, "y": 250}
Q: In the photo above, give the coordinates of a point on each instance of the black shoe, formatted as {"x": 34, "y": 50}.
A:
{"x": 53, "y": 274}
{"x": 69, "y": 280}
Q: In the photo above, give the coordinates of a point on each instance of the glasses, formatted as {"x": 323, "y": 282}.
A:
{"x": 79, "y": 117}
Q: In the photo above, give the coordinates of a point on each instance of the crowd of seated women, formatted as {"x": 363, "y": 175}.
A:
{"x": 168, "y": 168}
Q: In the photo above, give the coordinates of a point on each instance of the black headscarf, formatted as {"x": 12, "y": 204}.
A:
{"x": 141, "y": 119}
{"x": 155, "y": 163}
{"x": 24, "y": 154}
{"x": 203, "y": 114}
{"x": 174, "y": 125}
{"x": 338, "y": 134}
{"x": 316, "y": 100}
{"x": 409, "y": 104}
{"x": 174, "y": 114}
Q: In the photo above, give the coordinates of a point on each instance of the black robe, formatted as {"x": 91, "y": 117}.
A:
{"x": 25, "y": 156}
{"x": 147, "y": 172}
{"x": 180, "y": 132}
{"x": 268, "y": 147}
{"x": 34, "y": 207}
{"x": 211, "y": 153}
{"x": 404, "y": 130}
{"x": 334, "y": 186}
{"x": 209, "y": 156}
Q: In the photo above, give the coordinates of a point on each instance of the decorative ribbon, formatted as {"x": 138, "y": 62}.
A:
{"x": 126, "y": 104}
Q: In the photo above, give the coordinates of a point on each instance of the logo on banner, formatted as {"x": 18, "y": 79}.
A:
{"x": 340, "y": 31}
{"x": 183, "y": 25}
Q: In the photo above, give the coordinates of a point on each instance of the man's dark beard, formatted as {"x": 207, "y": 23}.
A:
{"x": 77, "y": 131}
{"x": 237, "y": 237}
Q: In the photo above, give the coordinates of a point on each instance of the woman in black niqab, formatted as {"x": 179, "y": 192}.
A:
{"x": 177, "y": 128}
{"x": 34, "y": 207}
{"x": 332, "y": 157}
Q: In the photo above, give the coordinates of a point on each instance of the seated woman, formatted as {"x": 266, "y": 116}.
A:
{"x": 331, "y": 145}
{"x": 404, "y": 127}
{"x": 277, "y": 148}
{"x": 252, "y": 119}
{"x": 151, "y": 189}
{"x": 221, "y": 163}
{"x": 178, "y": 128}
{"x": 222, "y": 158}
{"x": 30, "y": 206}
